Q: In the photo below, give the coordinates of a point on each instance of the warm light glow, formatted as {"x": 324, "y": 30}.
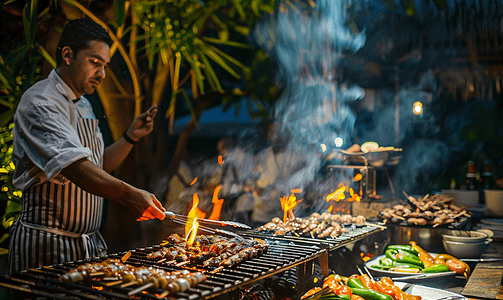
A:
{"x": 330, "y": 208}
{"x": 194, "y": 213}
{"x": 358, "y": 177}
{"x": 323, "y": 147}
{"x": 192, "y": 232}
{"x": 220, "y": 160}
{"x": 217, "y": 204}
{"x": 99, "y": 288}
{"x": 193, "y": 181}
{"x": 296, "y": 191}
{"x": 338, "y": 142}
{"x": 287, "y": 204}
{"x": 417, "y": 108}
{"x": 336, "y": 195}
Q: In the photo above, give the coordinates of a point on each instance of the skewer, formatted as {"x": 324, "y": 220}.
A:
{"x": 217, "y": 270}
{"x": 97, "y": 274}
{"x": 141, "y": 288}
{"x": 183, "y": 263}
{"x": 368, "y": 273}
{"x": 163, "y": 294}
{"x": 129, "y": 284}
{"x": 113, "y": 283}
{"x": 359, "y": 270}
{"x": 162, "y": 260}
{"x": 174, "y": 216}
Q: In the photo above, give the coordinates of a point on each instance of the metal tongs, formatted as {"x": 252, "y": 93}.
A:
{"x": 174, "y": 217}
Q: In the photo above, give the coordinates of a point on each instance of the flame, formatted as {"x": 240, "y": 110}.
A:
{"x": 217, "y": 204}
{"x": 358, "y": 177}
{"x": 194, "y": 213}
{"x": 99, "y": 288}
{"x": 296, "y": 191}
{"x": 337, "y": 194}
{"x": 193, "y": 181}
{"x": 287, "y": 204}
{"x": 220, "y": 160}
{"x": 330, "y": 208}
{"x": 192, "y": 232}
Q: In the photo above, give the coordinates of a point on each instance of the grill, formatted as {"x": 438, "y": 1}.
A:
{"x": 280, "y": 256}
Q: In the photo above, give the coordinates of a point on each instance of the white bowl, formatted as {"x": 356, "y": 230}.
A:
{"x": 465, "y": 236}
{"x": 466, "y": 250}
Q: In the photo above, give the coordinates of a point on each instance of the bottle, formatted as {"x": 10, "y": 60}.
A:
{"x": 471, "y": 177}
{"x": 486, "y": 180}
{"x": 453, "y": 184}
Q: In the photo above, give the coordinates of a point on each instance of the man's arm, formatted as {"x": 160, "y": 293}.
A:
{"x": 94, "y": 180}
{"x": 118, "y": 151}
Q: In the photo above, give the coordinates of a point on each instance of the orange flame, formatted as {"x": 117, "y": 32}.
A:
{"x": 217, "y": 204}
{"x": 337, "y": 194}
{"x": 192, "y": 232}
{"x": 330, "y": 208}
{"x": 358, "y": 177}
{"x": 296, "y": 191}
{"x": 287, "y": 204}
{"x": 220, "y": 160}
{"x": 193, "y": 181}
{"x": 194, "y": 212}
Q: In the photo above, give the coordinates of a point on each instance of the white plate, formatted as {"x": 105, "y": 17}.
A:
{"x": 379, "y": 272}
{"x": 427, "y": 293}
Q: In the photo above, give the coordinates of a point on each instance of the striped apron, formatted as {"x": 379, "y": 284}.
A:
{"x": 60, "y": 222}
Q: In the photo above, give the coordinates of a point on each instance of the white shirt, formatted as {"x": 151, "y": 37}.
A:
{"x": 45, "y": 134}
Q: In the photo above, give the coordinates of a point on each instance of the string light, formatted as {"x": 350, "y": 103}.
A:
{"x": 417, "y": 108}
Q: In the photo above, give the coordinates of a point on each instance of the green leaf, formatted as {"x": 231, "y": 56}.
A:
{"x": 189, "y": 104}
{"x": 210, "y": 74}
{"x": 228, "y": 43}
{"x": 119, "y": 11}
{"x": 6, "y": 117}
{"x": 17, "y": 55}
{"x": 239, "y": 8}
{"x": 229, "y": 58}
{"x": 47, "y": 56}
{"x": 4, "y": 238}
{"x": 4, "y": 251}
{"x": 211, "y": 54}
{"x": 197, "y": 70}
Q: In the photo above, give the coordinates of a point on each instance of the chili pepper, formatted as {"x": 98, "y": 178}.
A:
{"x": 356, "y": 297}
{"x": 368, "y": 294}
{"x": 387, "y": 280}
{"x": 445, "y": 257}
{"x": 344, "y": 290}
{"x": 423, "y": 255}
{"x": 456, "y": 266}
{"x": 390, "y": 254}
{"x": 436, "y": 269}
{"x": 311, "y": 292}
{"x": 404, "y": 265}
{"x": 367, "y": 282}
{"x": 386, "y": 262}
{"x": 408, "y": 260}
{"x": 408, "y": 254}
{"x": 381, "y": 267}
{"x": 407, "y": 248}
{"x": 356, "y": 283}
{"x": 332, "y": 296}
{"x": 384, "y": 288}
{"x": 354, "y": 276}
{"x": 439, "y": 262}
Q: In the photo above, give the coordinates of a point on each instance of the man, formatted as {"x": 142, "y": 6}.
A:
{"x": 61, "y": 164}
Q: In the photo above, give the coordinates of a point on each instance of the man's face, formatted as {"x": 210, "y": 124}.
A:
{"x": 88, "y": 67}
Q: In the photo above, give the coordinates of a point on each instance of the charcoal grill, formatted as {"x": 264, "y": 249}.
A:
{"x": 280, "y": 256}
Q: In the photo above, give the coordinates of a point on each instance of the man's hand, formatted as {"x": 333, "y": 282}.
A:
{"x": 143, "y": 124}
{"x": 145, "y": 206}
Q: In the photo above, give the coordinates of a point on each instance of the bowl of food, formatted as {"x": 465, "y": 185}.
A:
{"x": 465, "y": 236}
{"x": 466, "y": 250}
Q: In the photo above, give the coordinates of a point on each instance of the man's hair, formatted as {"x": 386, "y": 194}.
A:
{"x": 78, "y": 34}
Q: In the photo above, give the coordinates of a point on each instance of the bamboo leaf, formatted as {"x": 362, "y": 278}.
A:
{"x": 197, "y": 70}
{"x": 47, "y": 56}
{"x": 228, "y": 43}
{"x": 220, "y": 62}
{"x": 208, "y": 12}
{"x": 210, "y": 74}
{"x": 189, "y": 104}
{"x": 229, "y": 58}
{"x": 119, "y": 11}
{"x": 239, "y": 9}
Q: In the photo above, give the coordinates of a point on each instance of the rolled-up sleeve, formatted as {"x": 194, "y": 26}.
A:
{"x": 48, "y": 139}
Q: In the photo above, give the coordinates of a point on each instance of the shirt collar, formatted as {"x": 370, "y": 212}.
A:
{"x": 62, "y": 87}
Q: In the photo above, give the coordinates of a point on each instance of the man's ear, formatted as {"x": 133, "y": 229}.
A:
{"x": 66, "y": 54}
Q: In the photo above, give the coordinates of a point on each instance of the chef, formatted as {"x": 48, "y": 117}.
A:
{"x": 61, "y": 163}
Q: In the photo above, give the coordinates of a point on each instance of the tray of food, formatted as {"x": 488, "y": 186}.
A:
{"x": 414, "y": 263}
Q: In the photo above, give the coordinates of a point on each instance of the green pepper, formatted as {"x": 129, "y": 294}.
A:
{"x": 355, "y": 283}
{"x": 408, "y": 254}
{"x": 436, "y": 269}
{"x": 368, "y": 294}
{"x": 407, "y": 248}
{"x": 381, "y": 267}
{"x": 403, "y": 265}
{"x": 386, "y": 262}
{"x": 390, "y": 254}
{"x": 408, "y": 260}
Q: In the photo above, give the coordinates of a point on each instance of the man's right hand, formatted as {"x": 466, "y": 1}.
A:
{"x": 145, "y": 206}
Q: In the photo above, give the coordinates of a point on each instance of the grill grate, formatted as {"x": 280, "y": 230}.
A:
{"x": 280, "y": 256}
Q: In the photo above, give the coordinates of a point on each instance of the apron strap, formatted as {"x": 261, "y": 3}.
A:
{"x": 61, "y": 232}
